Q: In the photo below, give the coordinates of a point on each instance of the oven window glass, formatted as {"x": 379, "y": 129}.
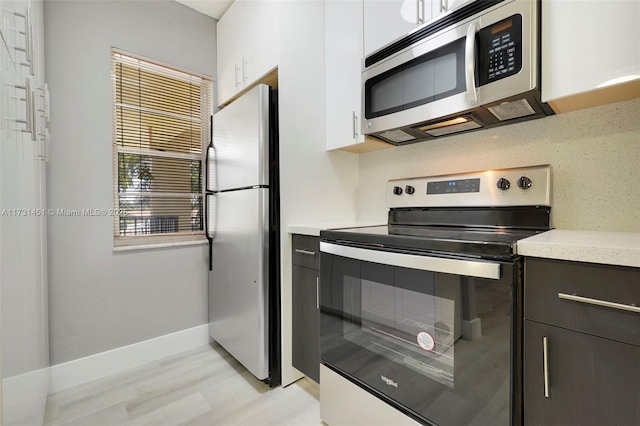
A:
{"x": 409, "y": 327}
{"x": 427, "y": 78}
{"x": 428, "y": 341}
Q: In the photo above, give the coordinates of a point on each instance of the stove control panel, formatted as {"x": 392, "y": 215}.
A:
{"x": 526, "y": 186}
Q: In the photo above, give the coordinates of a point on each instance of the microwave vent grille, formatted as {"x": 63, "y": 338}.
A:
{"x": 397, "y": 136}
{"x": 510, "y": 110}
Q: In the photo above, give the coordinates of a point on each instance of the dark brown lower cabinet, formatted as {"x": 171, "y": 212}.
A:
{"x": 306, "y": 322}
{"x": 591, "y": 380}
{"x": 305, "y": 310}
{"x": 581, "y": 337}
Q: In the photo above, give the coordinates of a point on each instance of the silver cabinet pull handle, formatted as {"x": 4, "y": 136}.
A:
{"x": 237, "y": 72}
{"x": 418, "y": 16}
{"x": 545, "y": 365}
{"x": 310, "y": 253}
{"x": 355, "y": 121}
{"x": 317, "y": 292}
{"x": 598, "y": 302}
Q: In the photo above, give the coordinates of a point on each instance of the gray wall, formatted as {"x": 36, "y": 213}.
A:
{"x": 594, "y": 154}
{"x": 98, "y": 299}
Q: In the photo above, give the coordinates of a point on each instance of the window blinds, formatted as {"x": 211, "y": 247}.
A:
{"x": 161, "y": 124}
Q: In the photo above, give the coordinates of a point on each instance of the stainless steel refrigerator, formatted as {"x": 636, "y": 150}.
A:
{"x": 243, "y": 230}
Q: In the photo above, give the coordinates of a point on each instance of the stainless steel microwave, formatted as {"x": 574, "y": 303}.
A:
{"x": 475, "y": 67}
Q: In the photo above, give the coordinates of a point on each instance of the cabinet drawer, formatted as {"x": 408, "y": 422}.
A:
{"x": 306, "y": 251}
{"x": 550, "y": 286}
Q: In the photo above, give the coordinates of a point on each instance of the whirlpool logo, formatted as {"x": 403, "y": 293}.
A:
{"x": 388, "y": 381}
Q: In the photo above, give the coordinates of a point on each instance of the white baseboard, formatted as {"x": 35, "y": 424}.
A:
{"x": 24, "y": 397}
{"x": 83, "y": 370}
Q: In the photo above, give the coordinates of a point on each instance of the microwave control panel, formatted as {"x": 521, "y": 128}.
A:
{"x": 500, "y": 50}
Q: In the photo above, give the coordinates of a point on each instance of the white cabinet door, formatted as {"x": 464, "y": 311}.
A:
{"x": 260, "y": 50}
{"x": 387, "y": 20}
{"x": 343, "y": 47}
{"x": 248, "y": 38}
{"x": 343, "y": 59}
{"x": 588, "y": 45}
{"x": 229, "y": 37}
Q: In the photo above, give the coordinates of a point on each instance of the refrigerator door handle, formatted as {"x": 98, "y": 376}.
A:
{"x": 210, "y": 151}
{"x": 209, "y": 157}
{"x": 206, "y": 230}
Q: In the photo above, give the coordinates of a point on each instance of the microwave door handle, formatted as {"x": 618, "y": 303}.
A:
{"x": 470, "y": 63}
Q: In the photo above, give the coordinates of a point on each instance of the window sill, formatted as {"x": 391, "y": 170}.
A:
{"x": 154, "y": 246}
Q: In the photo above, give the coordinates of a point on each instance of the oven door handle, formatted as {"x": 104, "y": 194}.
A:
{"x": 469, "y": 268}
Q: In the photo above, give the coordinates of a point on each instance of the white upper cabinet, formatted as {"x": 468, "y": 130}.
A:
{"x": 343, "y": 77}
{"x": 343, "y": 56}
{"x": 248, "y": 39}
{"x": 387, "y": 20}
{"x": 590, "y": 52}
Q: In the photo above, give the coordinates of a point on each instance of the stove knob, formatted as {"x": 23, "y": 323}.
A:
{"x": 524, "y": 182}
{"x": 409, "y": 189}
{"x": 397, "y": 190}
{"x": 503, "y": 184}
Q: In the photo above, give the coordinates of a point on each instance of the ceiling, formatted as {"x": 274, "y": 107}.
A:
{"x": 213, "y": 8}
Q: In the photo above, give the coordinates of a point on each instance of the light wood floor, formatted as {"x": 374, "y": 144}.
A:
{"x": 204, "y": 386}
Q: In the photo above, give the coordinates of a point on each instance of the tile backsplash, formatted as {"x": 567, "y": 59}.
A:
{"x": 594, "y": 155}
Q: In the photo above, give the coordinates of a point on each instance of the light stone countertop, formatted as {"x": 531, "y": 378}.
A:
{"x": 611, "y": 248}
{"x": 314, "y": 229}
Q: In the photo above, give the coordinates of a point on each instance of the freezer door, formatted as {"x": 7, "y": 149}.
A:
{"x": 241, "y": 142}
{"x": 239, "y": 279}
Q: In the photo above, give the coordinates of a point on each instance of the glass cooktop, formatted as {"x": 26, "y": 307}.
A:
{"x": 481, "y": 242}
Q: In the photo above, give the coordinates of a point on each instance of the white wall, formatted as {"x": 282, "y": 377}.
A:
{"x": 98, "y": 299}
{"x": 594, "y": 154}
{"x": 315, "y": 186}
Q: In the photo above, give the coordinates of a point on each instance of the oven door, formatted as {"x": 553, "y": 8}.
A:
{"x": 432, "y": 336}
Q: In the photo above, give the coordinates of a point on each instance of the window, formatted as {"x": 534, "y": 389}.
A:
{"x": 160, "y": 128}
